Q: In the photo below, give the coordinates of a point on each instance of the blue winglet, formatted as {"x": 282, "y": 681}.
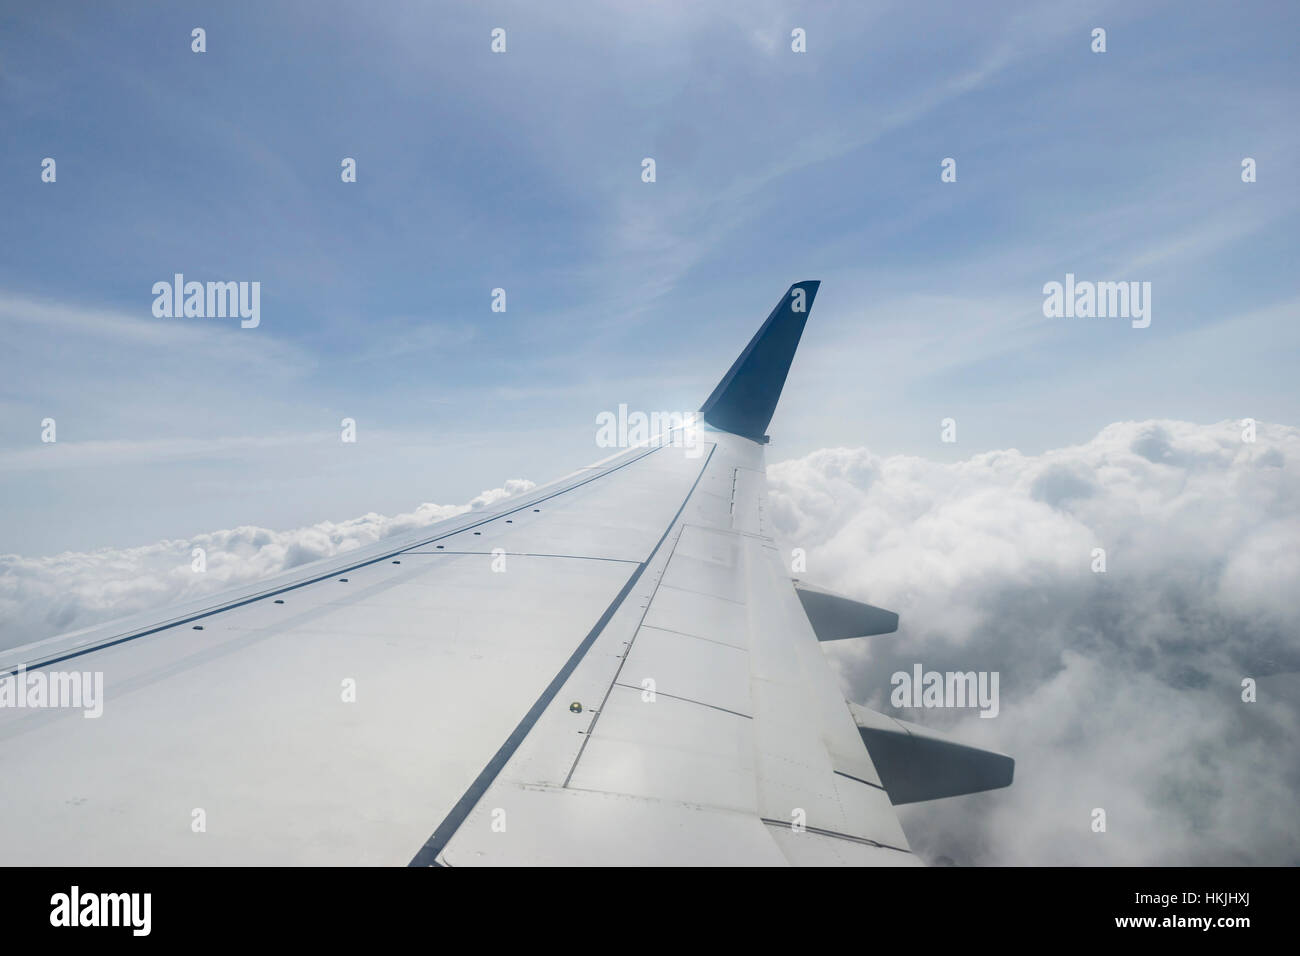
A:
{"x": 746, "y": 397}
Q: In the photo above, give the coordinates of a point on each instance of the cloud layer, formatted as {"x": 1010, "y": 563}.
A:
{"x": 1119, "y": 690}
{"x": 41, "y": 597}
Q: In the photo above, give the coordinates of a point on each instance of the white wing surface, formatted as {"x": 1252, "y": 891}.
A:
{"x": 612, "y": 669}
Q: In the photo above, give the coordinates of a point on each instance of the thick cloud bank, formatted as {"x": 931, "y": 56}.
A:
{"x": 41, "y": 597}
{"x": 1119, "y": 690}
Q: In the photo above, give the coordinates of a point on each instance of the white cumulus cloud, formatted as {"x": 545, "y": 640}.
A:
{"x": 41, "y": 597}
{"x": 1120, "y": 691}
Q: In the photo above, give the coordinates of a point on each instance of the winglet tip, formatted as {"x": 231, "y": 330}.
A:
{"x": 745, "y": 399}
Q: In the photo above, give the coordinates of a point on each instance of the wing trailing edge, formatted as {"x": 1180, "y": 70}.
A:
{"x": 745, "y": 399}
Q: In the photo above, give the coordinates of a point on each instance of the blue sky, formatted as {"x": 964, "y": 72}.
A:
{"x": 522, "y": 171}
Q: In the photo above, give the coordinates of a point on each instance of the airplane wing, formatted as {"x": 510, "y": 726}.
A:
{"x": 612, "y": 669}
